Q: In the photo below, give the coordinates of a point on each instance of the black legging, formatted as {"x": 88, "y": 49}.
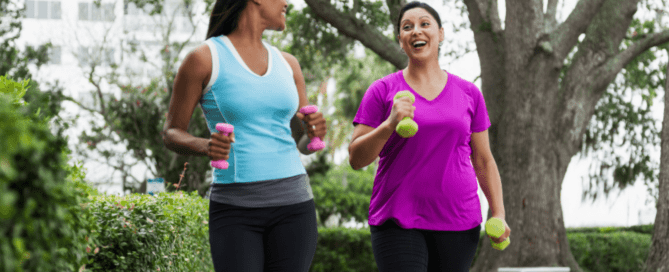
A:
{"x": 262, "y": 239}
{"x": 413, "y": 250}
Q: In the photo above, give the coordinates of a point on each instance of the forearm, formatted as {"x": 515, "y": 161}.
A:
{"x": 182, "y": 143}
{"x": 366, "y": 148}
{"x": 491, "y": 184}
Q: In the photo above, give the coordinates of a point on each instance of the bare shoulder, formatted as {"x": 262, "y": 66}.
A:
{"x": 200, "y": 56}
{"x": 292, "y": 61}
{"x": 197, "y": 65}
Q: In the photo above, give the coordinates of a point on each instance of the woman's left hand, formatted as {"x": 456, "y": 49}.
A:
{"x": 507, "y": 232}
{"x": 316, "y": 124}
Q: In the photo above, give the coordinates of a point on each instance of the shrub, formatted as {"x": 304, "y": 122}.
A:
{"x": 610, "y": 252}
{"x": 166, "y": 232}
{"x": 343, "y": 249}
{"x": 345, "y": 191}
{"x": 643, "y": 229}
{"x": 40, "y": 225}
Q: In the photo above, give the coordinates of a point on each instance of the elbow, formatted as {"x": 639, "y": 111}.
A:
{"x": 355, "y": 164}
{"x": 166, "y": 139}
{"x": 351, "y": 160}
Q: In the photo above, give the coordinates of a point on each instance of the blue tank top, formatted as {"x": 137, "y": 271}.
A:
{"x": 259, "y": 107}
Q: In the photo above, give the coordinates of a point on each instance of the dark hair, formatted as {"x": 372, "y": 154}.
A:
{"x": 416, "y": 4}
{"x": 225, "y": 17}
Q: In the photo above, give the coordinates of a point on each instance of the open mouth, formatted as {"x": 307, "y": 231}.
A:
{"x": 419, "y": 44}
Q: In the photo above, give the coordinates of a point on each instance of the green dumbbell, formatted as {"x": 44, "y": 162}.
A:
{"x": 495, "y": 228}
{"x": 407, "y": 127}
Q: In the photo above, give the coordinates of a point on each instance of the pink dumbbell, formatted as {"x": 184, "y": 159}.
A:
{"x": 316, "y": 143}
{"x": 226, "y": 129}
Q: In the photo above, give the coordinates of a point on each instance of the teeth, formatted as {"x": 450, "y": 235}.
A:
{"x": 419, "y": 43}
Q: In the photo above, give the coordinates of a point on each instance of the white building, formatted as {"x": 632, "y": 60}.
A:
{"x": 92, "y": 41}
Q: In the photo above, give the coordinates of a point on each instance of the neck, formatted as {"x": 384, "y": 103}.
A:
{"x": 249, "y": 28}
{"x": 421, "y": 70}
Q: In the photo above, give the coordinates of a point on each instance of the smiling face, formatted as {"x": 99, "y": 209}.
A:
{"x": 274, "y": 11}
{"x": 420, "y": 34}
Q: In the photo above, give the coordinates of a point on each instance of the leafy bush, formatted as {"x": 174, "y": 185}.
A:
{"x": 345, "y": 191}
{"x": 344, "y": 249}
{"x": 643, "y": 229}
{"x": 136, "y": 232}
{"x": 610, "y": 252}
{"x": 41, "y": 228}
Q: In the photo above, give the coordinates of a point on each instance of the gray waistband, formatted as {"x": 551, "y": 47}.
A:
{"x": 268, "y": 193}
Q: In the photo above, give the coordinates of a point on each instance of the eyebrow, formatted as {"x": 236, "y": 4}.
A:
{"x": 421, "y": 17}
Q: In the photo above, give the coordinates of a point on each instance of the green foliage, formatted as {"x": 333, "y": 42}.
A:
{"x": 610, "y": 252}
{"x": 168, "y": 232}
{"x": 623, "y": 126}
{"x": 14, "y": 61}
{"x": 136, "y": 120}
{"x": 354, "y": 79}
{"x": 14, "y": 91}
{"x": 40, "y": 225}
{"x": 642, "y": 229}
{"x": 342, "y": 249}
{"x": 345, "y": 191}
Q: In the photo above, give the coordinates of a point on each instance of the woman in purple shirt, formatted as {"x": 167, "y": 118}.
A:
{"x": 425, "y": 213}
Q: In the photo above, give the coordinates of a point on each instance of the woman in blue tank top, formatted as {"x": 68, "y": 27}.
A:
{"x": 262, "y": 215}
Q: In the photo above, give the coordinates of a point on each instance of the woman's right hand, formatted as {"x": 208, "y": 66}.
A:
{"x": 402, "y": 107}
{"x": 219, "y": 146}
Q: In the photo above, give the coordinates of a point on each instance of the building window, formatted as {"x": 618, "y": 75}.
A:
{"x": 43, "y": 9}
{"x": 129, "y": 8}
{"x": 92, "y": 12}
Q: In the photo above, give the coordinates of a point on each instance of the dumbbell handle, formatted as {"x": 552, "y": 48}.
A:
{"x": 225, "y": 129}
{"x": 316, "y": 143}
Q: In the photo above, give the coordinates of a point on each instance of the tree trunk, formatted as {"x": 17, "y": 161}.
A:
{"x": 532, "y": 161}
{"x": 658, "y": 258}
{"x": 539, "y": 116}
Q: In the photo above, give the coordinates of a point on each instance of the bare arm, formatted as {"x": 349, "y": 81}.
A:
{"x": 487, "y": 173}
{"x": 488, "y": 177}
{"x": 192, "y": 77}
{"x": 367, "y": 142}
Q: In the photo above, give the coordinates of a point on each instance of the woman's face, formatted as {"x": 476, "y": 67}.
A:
{"x": 420, "y": 34}
{"x": 275, "y": 12}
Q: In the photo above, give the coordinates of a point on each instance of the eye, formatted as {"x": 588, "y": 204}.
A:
{"x": 406, "y": 27}
{"x": 425, "y": 24}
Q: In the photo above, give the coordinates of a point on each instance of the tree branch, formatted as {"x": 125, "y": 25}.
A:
{"x": 394, "y": 6}
{"x": 550, "y": 18}
{"x": 490, "y": 48}
{"x": 357, "y": 29}
{"x": 566, "y": 36}
{"x": 615, "y": 64}
{"x": 488, "y": 11}
{"x": 587, "y": 78}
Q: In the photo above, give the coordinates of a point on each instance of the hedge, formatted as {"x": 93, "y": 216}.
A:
{"x": 343, "y": 249}
{"x": 166, "y": 232}
{"x": 185, "y": 246}
{"x": 41, "y": 226}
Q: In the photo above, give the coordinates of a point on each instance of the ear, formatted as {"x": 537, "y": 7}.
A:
{"x": 441, "y": 34}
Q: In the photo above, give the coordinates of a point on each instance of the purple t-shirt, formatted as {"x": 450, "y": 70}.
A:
{"x": 427, "y": 181}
